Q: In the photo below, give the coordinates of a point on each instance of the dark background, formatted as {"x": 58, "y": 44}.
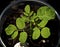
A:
{"x": 54, "y": 3}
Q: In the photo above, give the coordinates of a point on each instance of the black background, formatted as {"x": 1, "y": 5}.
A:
{"x": 54, "y": 3}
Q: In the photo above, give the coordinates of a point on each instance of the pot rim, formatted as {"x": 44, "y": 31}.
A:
{"x": 15, "y": 2}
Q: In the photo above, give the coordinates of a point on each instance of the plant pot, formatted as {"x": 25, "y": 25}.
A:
{"x": 14, "y": 10}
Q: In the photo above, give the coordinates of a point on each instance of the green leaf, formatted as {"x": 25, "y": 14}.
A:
{"x": 23, "y": 37}
{"x": 43, "y": 23}
{"x": 27, "y": 9}
{"x": 33, "y": 17}
{"x": 25, "y": 19}
{"x": 46, "y": 12}
{"x": 20, "y": 23}
{"x": 14, "y": 35}
{"x": 10, "y": 29}
{"x": 37, "y": 19}
{"x": 36, "y": 33}
{"x": 26, "y": 14}
{"x": 45, "y": 32}
{"x": 31, "y": 13}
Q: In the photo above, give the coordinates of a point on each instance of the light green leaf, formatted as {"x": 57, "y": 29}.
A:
{"x": 20, "y": 23}
{"x": 33, "y": 17}
{"x": 27, "y": 9}
{"x": 14, "y": 35}
{"x": 25, "y": 19}
{"x": 10, "y": 29}
{"x": 23, "y": 37}
{"x": 45, "y": 32}
{"x": 36, "y": 33}
{"x": 31, "y": 13}
{"x": 26, "y": 14}
{"x": 43, "y": 23}
{"x": 46, "y": 12}
{"x": 37, "y": 19}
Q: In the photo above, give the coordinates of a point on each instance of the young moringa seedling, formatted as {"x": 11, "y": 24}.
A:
{"x": 44, "y": 14}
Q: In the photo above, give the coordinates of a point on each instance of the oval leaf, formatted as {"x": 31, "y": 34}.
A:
{"x": 20, "y": 23}
{"x": 10, "y": 29}
{"x": 27, "y": 9}
{"x": 46, "y": 12}
{"x": 43, "y": 23}
{"x": 15, "y": 34}
{"x": 45, "y": 32}
{"x": 23, "y": 37}
{"x": 36, "y": 33}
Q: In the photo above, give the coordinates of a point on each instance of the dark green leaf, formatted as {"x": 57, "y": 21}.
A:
{"x": 23, "y": 37}
{"x": 10, "y": 29}
{"x": 46, "y": 12}
{"x": 15, "y": 34}
{"x": 20, "y": 23}
{"x": 45, "y": 32}
{"x": 36, "y": 33}
{"x": 27, "y": 9}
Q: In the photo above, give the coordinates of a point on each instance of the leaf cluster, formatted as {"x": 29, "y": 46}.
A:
{"x": 44, "y": 14}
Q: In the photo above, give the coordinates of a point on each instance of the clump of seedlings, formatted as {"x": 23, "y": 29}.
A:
{"x": 37, "y": 22}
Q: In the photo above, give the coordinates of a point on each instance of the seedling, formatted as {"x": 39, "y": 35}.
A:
{"x": 44, "y": 14}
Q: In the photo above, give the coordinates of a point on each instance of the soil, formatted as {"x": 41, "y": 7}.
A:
{"x": 15, "y": 12}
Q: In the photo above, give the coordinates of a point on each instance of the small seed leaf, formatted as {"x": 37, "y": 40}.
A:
{"x": 23, "y": 37}
{"x": 27, "y": 9}
{"x": 43, "y": 23}
{"x": 20, "y": 23}
{"x": 45, "y": 32}
{"x": 46, "y": 12}
{"x": 14, "y": 35}
{"x": 36, "y": 33}
{"x": 10, "y": 29}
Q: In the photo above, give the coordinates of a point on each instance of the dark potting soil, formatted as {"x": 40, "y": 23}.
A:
{"x": 17, "y": 11}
